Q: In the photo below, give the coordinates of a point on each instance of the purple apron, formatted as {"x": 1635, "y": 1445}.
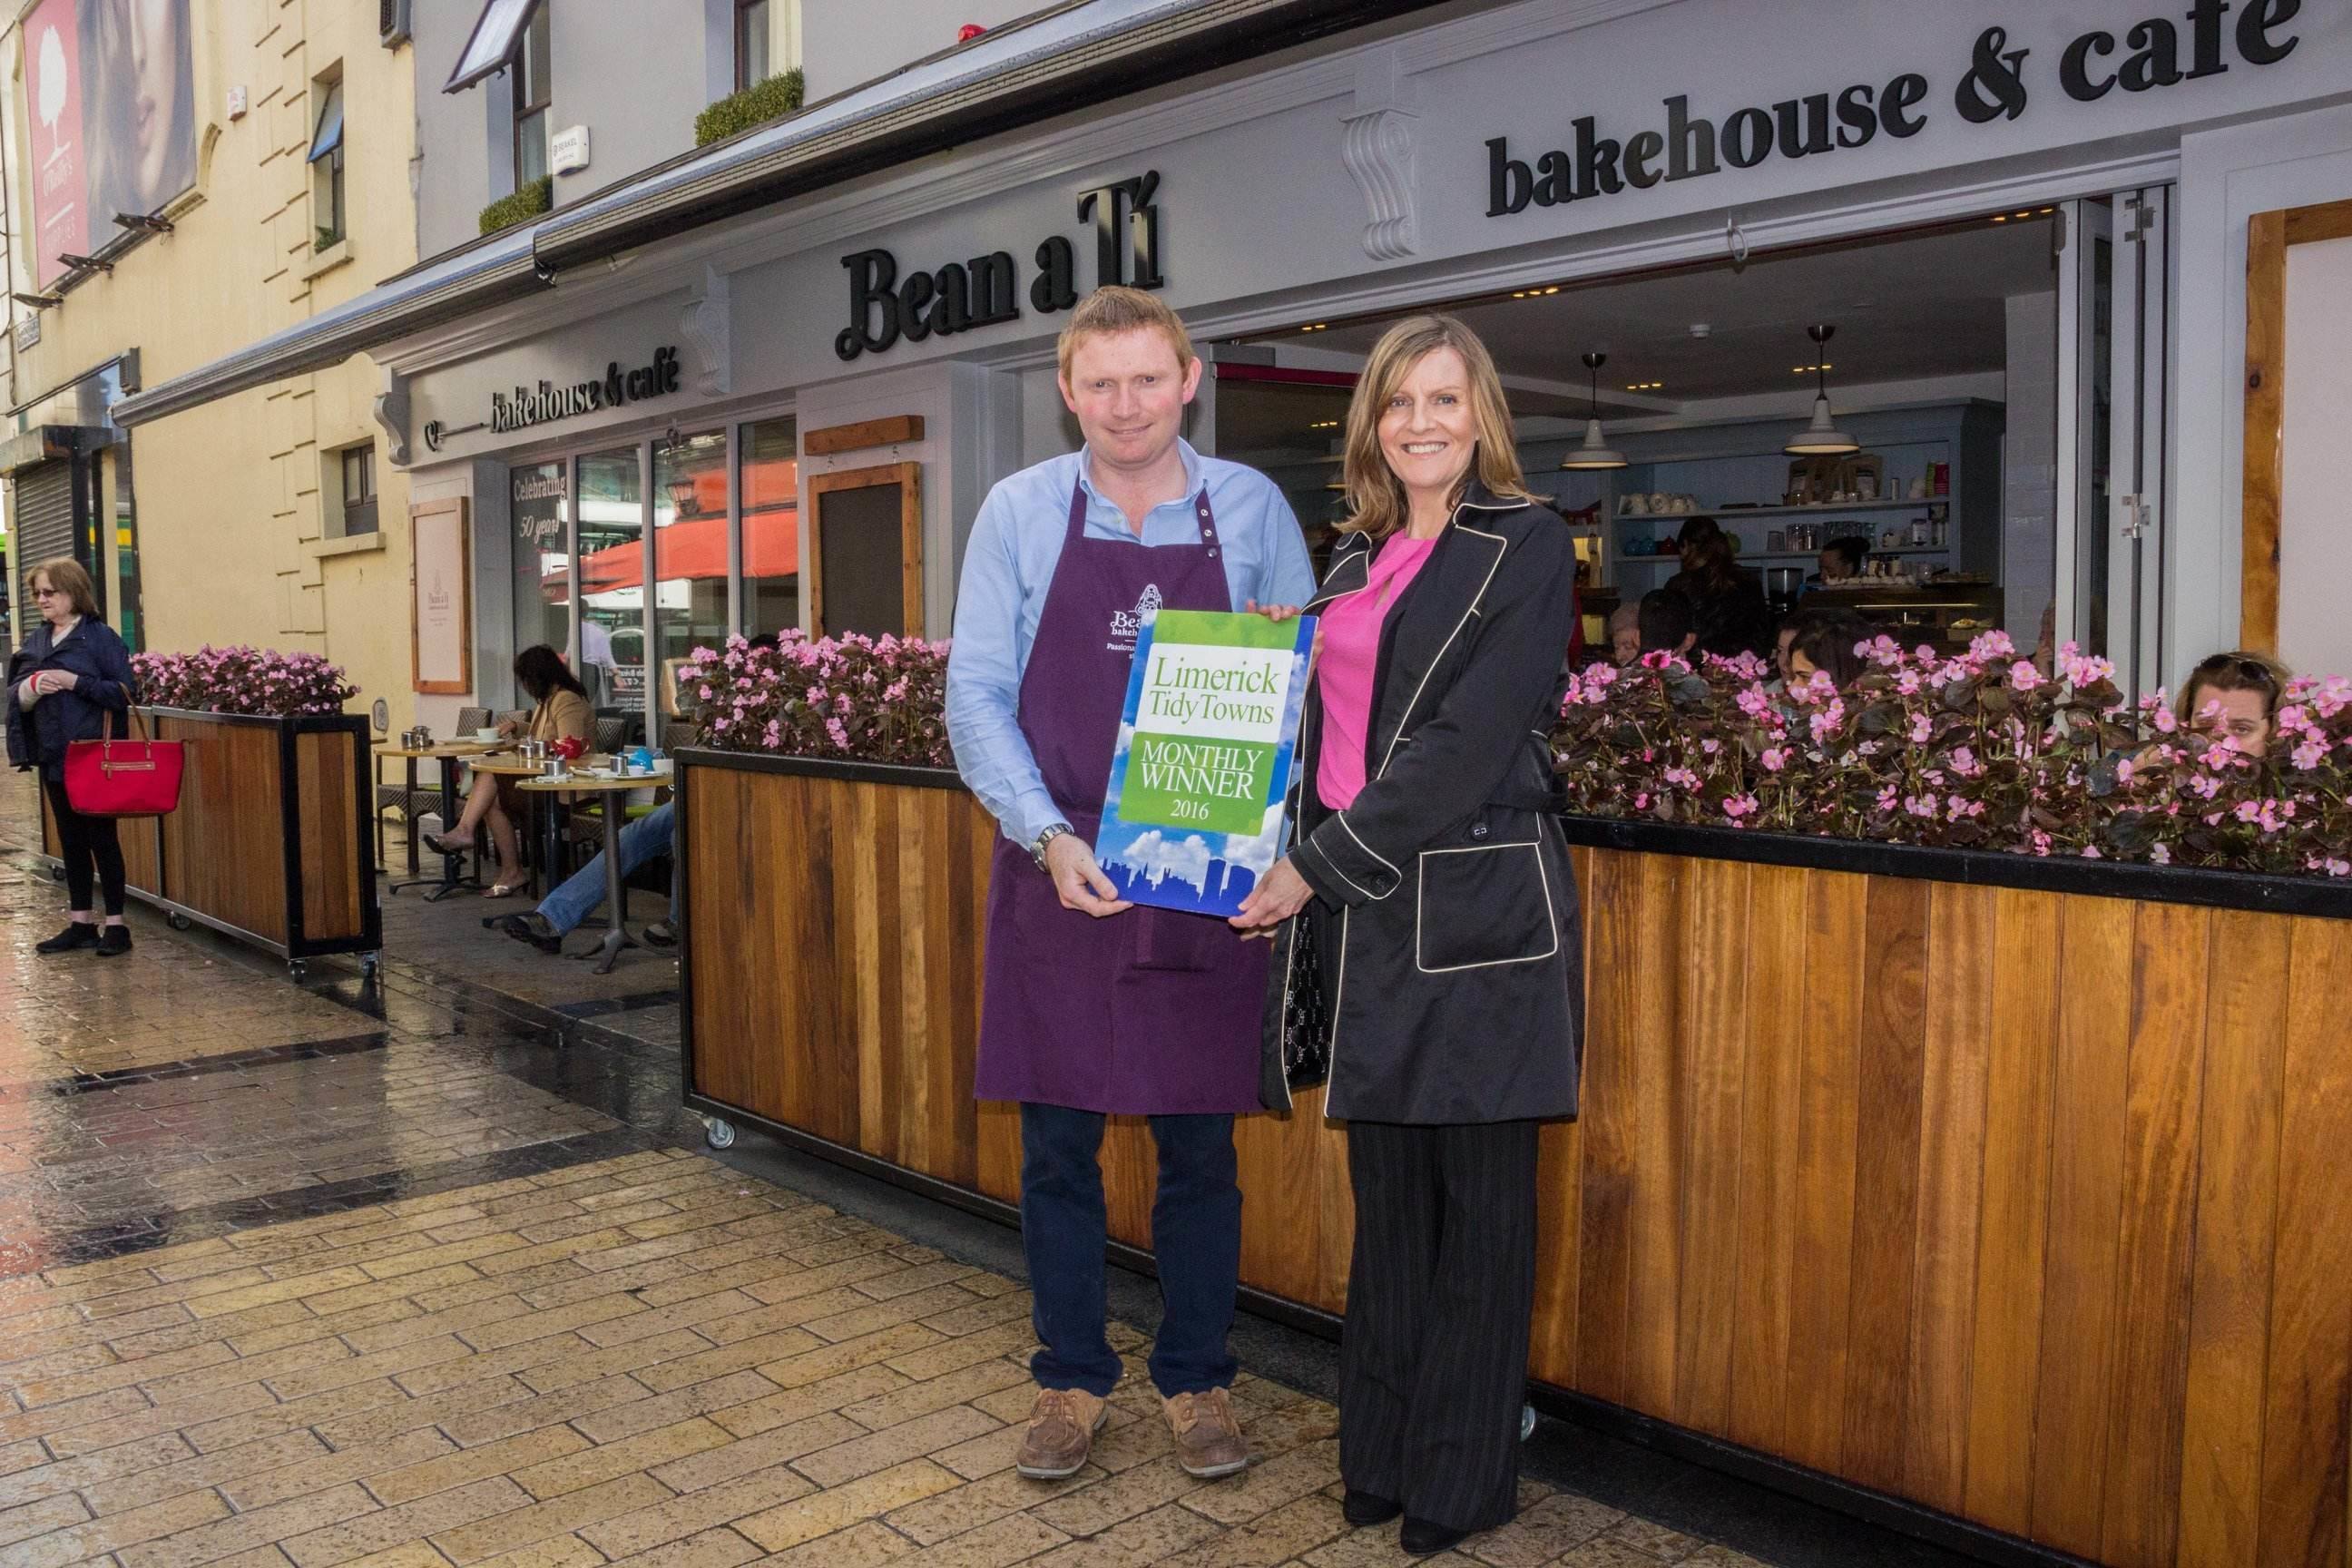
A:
{"x": 1152, "y": 1012}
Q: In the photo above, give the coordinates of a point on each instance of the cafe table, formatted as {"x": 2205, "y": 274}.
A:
{"x": 448, "y": 753}
{"x": 507, "y": 764}
{"x": 613, "y": 794}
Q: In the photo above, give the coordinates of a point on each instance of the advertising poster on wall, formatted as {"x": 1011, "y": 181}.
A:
{"x": 110, "y": 102}
{"x": 1194, "y": 816}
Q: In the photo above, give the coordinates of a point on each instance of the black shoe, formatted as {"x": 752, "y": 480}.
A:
{"x": 1421, "y": 1539}
{"x": 661, "y": 933}
{"x": 1361, "y": 1509}
{"x": 114, "y": 942}
{"x": 80, "y": 933}
{"x": 534, "y": 928}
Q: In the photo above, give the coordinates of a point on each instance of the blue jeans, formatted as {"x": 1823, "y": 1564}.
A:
{"x": 1196, "y": 1234}
{"x": 641, "y": 840}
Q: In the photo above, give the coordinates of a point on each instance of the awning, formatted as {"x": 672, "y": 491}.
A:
{"x": 330, "y": 134}
{"x": 696, "y": 548}
{"x": 492, "y": 42}
{"x": 1073, "y": 58}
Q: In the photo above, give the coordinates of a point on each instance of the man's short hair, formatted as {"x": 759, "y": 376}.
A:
{"x": 1116, "y": 307}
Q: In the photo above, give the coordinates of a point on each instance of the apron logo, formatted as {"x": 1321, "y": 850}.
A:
{"x": 1126, "y": 624}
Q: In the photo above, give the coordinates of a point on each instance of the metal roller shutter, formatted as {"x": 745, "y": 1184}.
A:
{"x": 44, "y": 514}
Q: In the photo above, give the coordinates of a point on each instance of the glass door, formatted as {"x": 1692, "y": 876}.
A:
{"x": 690, "y": 556}
{"x": 541, "y": 586}
{"x": 2139, "y": 353}
{"x": 611, "y": 509}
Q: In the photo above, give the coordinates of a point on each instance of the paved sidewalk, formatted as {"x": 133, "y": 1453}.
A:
{"x": 426, "y": 1274}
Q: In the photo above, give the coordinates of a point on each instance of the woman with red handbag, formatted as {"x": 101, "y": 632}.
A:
{"x": 73, "y": 673}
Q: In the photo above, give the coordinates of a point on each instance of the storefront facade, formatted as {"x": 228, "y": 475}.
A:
{"x": 1523, "y": 149}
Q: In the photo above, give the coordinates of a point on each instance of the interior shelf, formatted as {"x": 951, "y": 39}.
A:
{"x": 1818, "y": 509}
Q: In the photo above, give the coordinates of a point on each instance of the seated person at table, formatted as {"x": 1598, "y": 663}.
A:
{"x": 562, "y": 910}
{"x": 2234, "y": 698}
{"x": 1792, "y": 626}
{"x": 1667, "y": 624}
{"x": 1625, "y": 634}
{"x": 1826, "y": 643}
{"x": 1840, "y": 560}
{"x": 563, "y": 712}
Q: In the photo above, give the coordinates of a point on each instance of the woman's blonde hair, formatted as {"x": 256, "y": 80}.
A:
{"x": 1376, "y": 498}
{"x": 66, "y": 576}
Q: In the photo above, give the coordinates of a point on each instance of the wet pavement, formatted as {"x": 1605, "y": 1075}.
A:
{"x": 431, "y": 1271}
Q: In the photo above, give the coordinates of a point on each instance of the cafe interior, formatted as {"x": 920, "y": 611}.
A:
{"x": 1900, "y": 390}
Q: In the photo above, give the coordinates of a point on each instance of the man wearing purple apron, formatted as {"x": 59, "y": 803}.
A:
{"x": 1093, "y": 1007}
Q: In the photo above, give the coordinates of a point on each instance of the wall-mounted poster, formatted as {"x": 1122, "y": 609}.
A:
{"x": 110, "y": 104}
{"x": 441, "y": 611}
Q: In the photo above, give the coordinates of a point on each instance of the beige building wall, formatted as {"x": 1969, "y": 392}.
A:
{"x": 239, "y": 515}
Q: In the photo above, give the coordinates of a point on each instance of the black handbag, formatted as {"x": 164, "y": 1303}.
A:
{"x": 1306, "y": 1017}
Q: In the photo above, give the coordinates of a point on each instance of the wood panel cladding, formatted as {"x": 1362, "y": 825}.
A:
{"x": 2023, "y": 1206}
{"x": 269, "y": 840}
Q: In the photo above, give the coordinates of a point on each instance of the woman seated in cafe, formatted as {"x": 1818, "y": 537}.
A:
{"x": 562, "y": 713}
{"x": 1727, "y": 598}
{"x": 2234, "y": 698}
{"x": 1826, "y": 641}
{"x": 1840, "y": 560}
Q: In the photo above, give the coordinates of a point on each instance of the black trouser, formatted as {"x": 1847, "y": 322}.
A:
{"x": 1432, "y": 1364}
{"x": 85, "y": 841}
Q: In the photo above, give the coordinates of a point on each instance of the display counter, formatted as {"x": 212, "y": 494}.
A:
{"x": 2000, "y": 1199}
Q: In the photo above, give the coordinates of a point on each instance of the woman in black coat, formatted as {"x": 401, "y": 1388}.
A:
{"x": 73, "y": 673}
{"x": 1428, "y": 949}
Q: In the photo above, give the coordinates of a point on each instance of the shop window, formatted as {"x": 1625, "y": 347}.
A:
{"x": 358, "y": 465}
{"x": 769, "y": 482}
{"x": 540, "y": 512}
{"x": 609, "y": 492}
{"x": 327, "y": 211}
{"x": 767, "y": 40}
{"x": 690, "y": 552}
{"x": 532, "y": 96}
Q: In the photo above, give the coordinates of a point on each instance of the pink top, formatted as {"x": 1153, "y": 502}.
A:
{"x": 1350, "y": 633}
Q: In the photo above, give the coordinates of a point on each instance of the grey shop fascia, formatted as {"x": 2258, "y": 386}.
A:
{"x": 1996, "y": 85}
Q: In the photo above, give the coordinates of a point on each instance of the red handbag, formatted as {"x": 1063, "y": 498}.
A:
{"x": 138, "y": 777}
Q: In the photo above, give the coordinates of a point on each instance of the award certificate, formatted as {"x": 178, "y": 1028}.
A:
{"x": 1193, "y": 814}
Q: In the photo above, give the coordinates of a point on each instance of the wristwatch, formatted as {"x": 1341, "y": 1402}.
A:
{"x": 1038, "y": 851}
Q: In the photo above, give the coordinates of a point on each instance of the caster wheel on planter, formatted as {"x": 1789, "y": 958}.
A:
{"x": 719, "y": 1135}
{"x": 297, "y": 970}
{"x": 179, "y": 921}
{"x": 56, "y": 873}
{"x": 369, "y": 963}
{"x": 1526, "y": 1421}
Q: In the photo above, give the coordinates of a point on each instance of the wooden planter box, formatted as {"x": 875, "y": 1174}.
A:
{"x": 271, "y": 841}
{"x": 2003, "y": 1200}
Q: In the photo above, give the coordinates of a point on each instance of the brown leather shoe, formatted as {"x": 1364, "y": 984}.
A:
{"x": 1061, "y": 1428}
{"x": 1208, "y": 1441}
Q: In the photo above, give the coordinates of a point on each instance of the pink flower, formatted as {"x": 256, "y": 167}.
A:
{"x": 2023, "y": 676}
{"x": 1774, "y": 758}
{"x": 2310, "y": 755}
{"x": 1739, "y": 808}
{"x": 1920, "y": 728}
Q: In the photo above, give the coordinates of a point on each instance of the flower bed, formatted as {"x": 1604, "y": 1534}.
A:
{"x": 1981, "y": 751}
{"x": 259, "y": 681}
{"x": 852, "y": 698}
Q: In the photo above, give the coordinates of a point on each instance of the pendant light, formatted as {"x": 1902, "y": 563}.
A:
{"x": 1821, "y": 438}
{"x": 1595, "y": 453}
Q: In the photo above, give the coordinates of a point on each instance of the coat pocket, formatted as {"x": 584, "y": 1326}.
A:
{"x": 1483, "y": 905}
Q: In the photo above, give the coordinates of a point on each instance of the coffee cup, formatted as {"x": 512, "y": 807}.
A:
{"x": 487, "y": 734}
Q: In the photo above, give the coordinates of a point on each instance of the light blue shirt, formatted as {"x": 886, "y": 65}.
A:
{"x": 1016, "y": 542}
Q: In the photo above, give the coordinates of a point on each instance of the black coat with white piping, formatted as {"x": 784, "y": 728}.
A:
{"x": 1456, "y": 988}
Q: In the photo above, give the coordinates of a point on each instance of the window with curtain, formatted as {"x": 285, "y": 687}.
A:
{"x": 327, "y": 210}
{"x": 533, "y": 95}
{"x": 358, "y": 490}
{"x": 611, "y": 500}
{"x": 767, "y": 40}
{"x": 771, "y": 486}
{"x": 689, "y": 553}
